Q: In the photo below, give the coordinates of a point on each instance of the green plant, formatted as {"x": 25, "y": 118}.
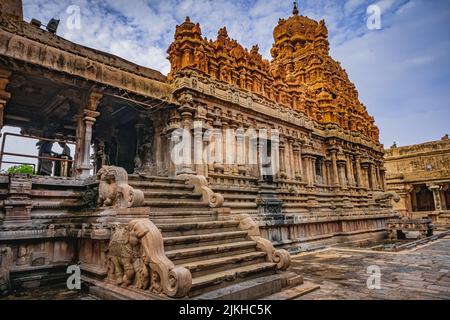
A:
{"x": 23, "y": 168}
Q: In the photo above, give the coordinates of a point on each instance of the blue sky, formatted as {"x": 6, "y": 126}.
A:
{"x": 401, "y": 71}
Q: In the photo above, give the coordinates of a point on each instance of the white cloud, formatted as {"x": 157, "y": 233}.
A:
{"x": 401, "y": 71}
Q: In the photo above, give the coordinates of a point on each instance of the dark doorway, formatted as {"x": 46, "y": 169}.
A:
{"x": 115, "y": 138}
{"x": 424, "y": 200}
{"x": 267, "y": 165}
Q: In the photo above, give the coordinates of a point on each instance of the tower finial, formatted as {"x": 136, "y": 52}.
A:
{"x": 295, "y": 11}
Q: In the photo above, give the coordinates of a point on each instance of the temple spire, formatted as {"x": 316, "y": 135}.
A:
{"x": 295, "y": 11}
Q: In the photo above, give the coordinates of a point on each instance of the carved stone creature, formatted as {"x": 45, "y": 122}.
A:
{"x": 200, "y": 184}
{"x": 136, "y": 256}
{"x": 6, "y": 259}
{"x": 381, "y": 196}
{"x": 281, "y": 257}
{"x": 114, "y": 190}
{"x": 122, "y": 252}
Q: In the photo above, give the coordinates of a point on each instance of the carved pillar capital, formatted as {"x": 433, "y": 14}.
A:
{"x": 84, "y": 133}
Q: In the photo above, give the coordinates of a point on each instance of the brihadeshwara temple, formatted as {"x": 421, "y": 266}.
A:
{"x": 145, "y": 218}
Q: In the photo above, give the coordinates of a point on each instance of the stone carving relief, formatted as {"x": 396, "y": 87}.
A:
{"x": 200, "y": 184}
{"x": 114, "y": 190}
{"x": 382, "y": 196}
{"x": 6, "y": 259}
{"x": 135, "y": 257}
{"x": 281, "y": 257}
{"x": 301, "y": 86}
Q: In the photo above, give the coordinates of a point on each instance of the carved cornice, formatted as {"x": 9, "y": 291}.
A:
{"x": 22, "y": 42}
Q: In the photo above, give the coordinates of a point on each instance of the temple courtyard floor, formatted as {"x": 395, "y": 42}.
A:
{"x": 342, "y": 273}
{"x": 346, "y": 274}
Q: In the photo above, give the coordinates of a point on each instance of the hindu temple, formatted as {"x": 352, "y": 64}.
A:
{"x": 143, "y": 226}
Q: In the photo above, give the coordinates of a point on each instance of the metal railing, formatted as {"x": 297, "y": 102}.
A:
{"x": 64, "y": 161}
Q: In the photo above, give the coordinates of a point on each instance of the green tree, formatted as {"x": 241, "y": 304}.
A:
{"x": 23, "y": 168}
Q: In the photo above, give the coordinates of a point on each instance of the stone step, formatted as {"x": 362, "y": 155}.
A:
{"x": 149, "y": 185}
{"x": 185, "y": 255}
{"x": 247, "y": 290}
{"x": 191, "y": 219}
{"x": 240, "y": 197}
{"x": 184, "y": 216}
{"x": 222, "y": 279}
{"x": 230, "y": 189}
{"x": 168, "y": 203}
{"x": 198, "y": 209}
{"x": 202, "y": 267}
{"x": 293, "y": 293}
{"x": 154, "y": 179}
{"x": 190, "y": 228}
{"x": 170, "y": 195}
{"x": 197, "y": 240}
{"x": 247, "y": 204}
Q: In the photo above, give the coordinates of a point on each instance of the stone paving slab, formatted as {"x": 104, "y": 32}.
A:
{"x": 422, "y": 273}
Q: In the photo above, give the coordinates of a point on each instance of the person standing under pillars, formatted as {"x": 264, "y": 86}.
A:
{"x": 45, "y": 166}
{"x": 63, "y": 167}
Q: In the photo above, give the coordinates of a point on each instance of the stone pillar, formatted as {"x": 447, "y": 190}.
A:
{"x": 225, "y": 147}
{"x": 324, "y": 173}
{"x": 241, "y": 151}
{"x": 378, "y": 175}
{"x": 209, "y": 167}
{"x": 313, "y": 169}
{"x": 328, "y": 172}
{"x": 283, "y": 174}
{"x": 173, "y": 138}
{"x": 359, "y": 178}
{"x": 365, "y": 175}
{"x": 292, "y": 173}
{"x": 349, "y": 169}
{"x": 4, "y": 95}
{"x": 383, "y": 179}
{"x": 341, "y": 171}
{"x": 335, "y": 169}
{"x": 307, "y": 160}
{"x": 373, "y": 177}
{"x": 296, "y": 168}
{"x": 200, "y": 167}
{"x": 84, "y": 134}
{"x": 436, "y": 189}
{"x": 187, "y": 124}
{"x": 234, "y": 150}
{"x": 299, "y": 164}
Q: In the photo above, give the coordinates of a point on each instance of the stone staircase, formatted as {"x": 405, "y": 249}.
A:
{"x": 217, "y": 253}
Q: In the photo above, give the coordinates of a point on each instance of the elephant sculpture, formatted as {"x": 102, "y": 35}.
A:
{"x": 114, "y": 190}
{"x": 135, "y": 257}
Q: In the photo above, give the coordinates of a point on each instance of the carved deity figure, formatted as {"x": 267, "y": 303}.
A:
{"x": 200, "y": 59}
{"x": 174, "y": 57}
{"x": 225, "y": 73}
{"x": 243, "y": 81}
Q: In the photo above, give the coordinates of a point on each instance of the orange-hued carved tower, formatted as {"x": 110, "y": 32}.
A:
{"x": 301, "y": 76}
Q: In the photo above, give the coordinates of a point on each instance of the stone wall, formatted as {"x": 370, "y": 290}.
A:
{"x": 420, "y": 172}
